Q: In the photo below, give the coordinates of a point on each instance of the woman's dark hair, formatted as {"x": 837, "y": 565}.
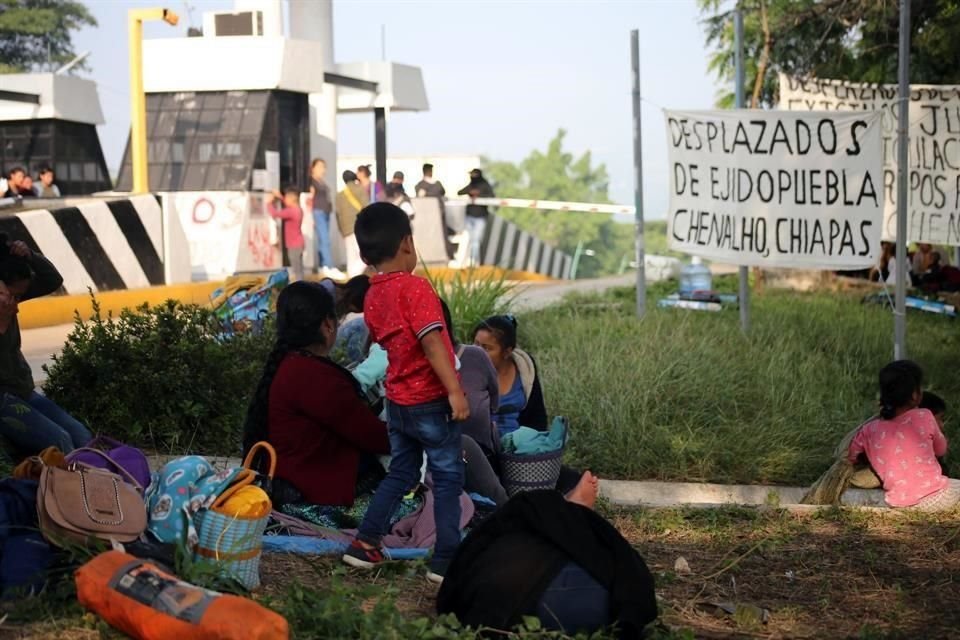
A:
{"x": 898, "y": 382}
{"x": 12, "y": 268}
{"x": 351, "y": 295}
{"x": 302, "y": 308}
{"x": 448, "y": 320}
{"x": 933, "y": 403}
{"x": 503, "y": 328}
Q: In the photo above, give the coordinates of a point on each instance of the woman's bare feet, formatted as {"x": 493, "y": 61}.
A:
{"x": 586, "y": 491}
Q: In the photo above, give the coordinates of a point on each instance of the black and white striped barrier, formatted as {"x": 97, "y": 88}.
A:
{"x": 505, "y": 245}
{"x": 105, "y": 245}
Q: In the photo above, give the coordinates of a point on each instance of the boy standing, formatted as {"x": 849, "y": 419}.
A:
{"x": 292, "y": 216}
{"x": 425, "y": 401}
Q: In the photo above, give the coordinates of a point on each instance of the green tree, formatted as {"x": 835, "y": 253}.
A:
{"x": 37, "y": 34}
{"x": 554, "y": 174}
{"x": 846, "y": 39}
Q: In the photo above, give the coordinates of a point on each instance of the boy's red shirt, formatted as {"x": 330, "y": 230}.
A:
{"x": 400, "y": 309}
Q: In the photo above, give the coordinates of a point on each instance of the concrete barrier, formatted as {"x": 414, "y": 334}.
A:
{"x": 104, "y": 244}
{"x": 507, "y": 247}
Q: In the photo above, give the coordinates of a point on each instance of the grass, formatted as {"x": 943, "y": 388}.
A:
{"x": 685, "y": 396}
{"x": 835, "y": 573}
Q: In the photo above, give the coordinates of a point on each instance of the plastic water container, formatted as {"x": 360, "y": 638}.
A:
{"x": 695, "y": 277}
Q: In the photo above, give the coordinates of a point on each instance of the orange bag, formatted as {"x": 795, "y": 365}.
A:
{"x": 147, "y": 603}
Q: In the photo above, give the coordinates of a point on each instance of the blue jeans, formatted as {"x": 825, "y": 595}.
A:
{"x": 414, "y": 430}
{"x": 321, "y": 224}
{"x": 36, "y": 423}
{"x": 574, "y": 602}
{"x": 475, "y": 227}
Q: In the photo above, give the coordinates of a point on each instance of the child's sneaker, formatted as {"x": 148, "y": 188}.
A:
{"x": 361, "y": 557}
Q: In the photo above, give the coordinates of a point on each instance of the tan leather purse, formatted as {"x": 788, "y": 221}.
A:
{"x": 81, "y": 503}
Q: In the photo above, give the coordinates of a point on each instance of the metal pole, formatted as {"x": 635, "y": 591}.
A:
{"x": 380, "y": 143}
{"x": 903, "y": 124}
{"x": 638, "y": 174}
{"x": 138, "y": 105}
{"x": 738, "y": 92}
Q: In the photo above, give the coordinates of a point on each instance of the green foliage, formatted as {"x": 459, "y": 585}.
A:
{"x": 159, "y": 377}
{"x": 685, "y": 396}
{"x": 369, "y": 612}
{"x": 845, "y": 39}
{"x": 555, "y": 174}
{"x": 36, "y": 34}
{"x": 473, "y": 295}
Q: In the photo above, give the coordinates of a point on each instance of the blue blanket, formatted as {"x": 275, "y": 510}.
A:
{"x": 308, "y": 545}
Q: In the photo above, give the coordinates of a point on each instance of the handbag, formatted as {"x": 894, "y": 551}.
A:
{"x": 234, "y": 542}
{"x": 109, "y": 454}
{"x": 80, "y": 503}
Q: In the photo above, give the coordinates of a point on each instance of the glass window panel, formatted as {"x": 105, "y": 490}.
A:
{"x": 214, "y": 101}
{"x": 188, "y": 100}
{"x": 154, "y": 101}
{"x": 164, "y": 124}
{"x": 252, "y": 122}
{"x": 158, "y": 151}
{"x": 228, "y": 177}
{"x": 62, "y": 170}
{"x": 76, "y": 171}
{"x": 203, "y": 149}
{"x": 15, "y": 149}
{"x": 236, "y": 99}
{"x": 41, "y": 147}
{"x": 230, "y": 122}
{"x": 209, "y": 122}
{"x": 90, "y": 171}
{"x": 178, "y": 151}
{"x": 195, "y": 176}
{"x": 186, "y": 123}
{"x": 257, "y": 99}
{"x": 158, "y": 176}
{"x": 175, "y": 179}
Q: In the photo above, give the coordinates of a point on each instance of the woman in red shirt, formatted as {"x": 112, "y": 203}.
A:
{"x": 311, "y": 409}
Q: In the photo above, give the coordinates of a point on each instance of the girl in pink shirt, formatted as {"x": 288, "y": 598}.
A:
{"x": 903, "y": 443}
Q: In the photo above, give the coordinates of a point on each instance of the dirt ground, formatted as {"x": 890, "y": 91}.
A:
{"x": 835, "y": 574}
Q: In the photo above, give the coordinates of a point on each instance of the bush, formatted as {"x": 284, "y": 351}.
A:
{"x": 472, "y": 296}
{"x": 159, "y": 377}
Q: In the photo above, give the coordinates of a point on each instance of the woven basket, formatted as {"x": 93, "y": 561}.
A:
{"x": 234, "y": 543}
{"x": 532, "y": 472}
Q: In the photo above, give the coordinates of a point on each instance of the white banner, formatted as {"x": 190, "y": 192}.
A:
{"x": 775, "y": 189}
{"x": 934, "y": 149}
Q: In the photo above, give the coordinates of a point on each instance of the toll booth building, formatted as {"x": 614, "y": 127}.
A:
{"x": 220, "y": 104}
{"x": 244, "y": 108}
{"x": 48, "y": 119}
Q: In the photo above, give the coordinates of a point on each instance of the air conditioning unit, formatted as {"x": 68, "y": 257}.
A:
{"x": 242, "y": 23}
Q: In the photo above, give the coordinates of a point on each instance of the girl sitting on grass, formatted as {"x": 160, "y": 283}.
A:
{"x": 904, "y": 442}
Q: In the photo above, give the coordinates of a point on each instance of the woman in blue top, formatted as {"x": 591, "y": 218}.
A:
{"x": 521, "y": 397}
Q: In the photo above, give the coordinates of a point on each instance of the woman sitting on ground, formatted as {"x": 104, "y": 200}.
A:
{"x": 312, "y": 410}
{"x": 521, "y": 396}
{"x": 30, "y": 421}
{"x": 902, "y": 445}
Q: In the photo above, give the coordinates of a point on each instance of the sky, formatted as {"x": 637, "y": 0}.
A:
{"x": 502, "y": 76}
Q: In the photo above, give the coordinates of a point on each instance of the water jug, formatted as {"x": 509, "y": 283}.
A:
{"x": 695, "y": 277}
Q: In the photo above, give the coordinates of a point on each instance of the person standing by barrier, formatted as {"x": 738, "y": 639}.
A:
{"x": 476, "y": 213}
{"x": 374, "y": 190}
{"x": 292, "y": 216}
{"x": 30, "y": 421}
{"x": 46, "y": 188}
{"x": 430, "y": 188}
{"x": 350, "y": 201}
{"x": 321, "y": 206}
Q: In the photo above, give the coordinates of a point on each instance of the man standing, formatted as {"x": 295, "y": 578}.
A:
{"x": 398, "y": 179}
{"x": 430, "y": 188}
{"x": 476, "y": 222}
{"x": 322, "y": 207}
{"x": 373, "y": 189}
{"x": 350, "y": 202}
